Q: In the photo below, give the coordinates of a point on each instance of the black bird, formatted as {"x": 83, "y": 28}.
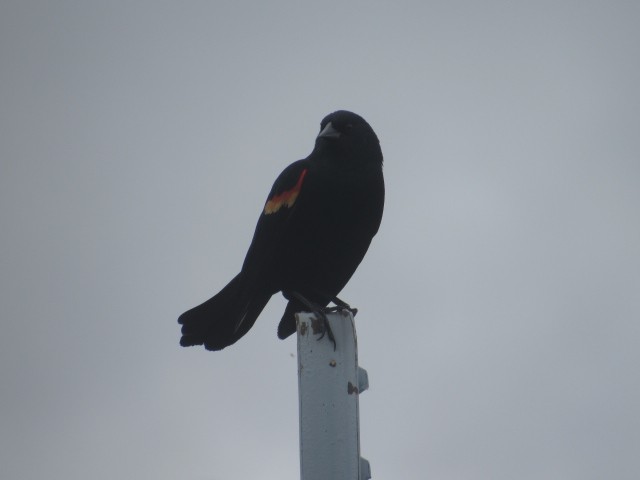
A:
{"x": 312, "y": 234}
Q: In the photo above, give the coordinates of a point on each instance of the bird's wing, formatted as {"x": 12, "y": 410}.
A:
{"x": 275, "y": 216}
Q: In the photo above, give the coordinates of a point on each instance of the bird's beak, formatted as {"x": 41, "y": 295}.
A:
{"x": 329, "y": 132}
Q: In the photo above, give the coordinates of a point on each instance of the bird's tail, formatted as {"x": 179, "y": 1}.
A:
{"x": 223, "y": 319}
{"x": 287, "y": 325}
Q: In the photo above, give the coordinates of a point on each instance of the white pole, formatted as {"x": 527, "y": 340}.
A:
{"x": 329, "y": 384}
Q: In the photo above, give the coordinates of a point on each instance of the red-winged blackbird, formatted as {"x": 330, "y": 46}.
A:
{"x": 314, "y": 230}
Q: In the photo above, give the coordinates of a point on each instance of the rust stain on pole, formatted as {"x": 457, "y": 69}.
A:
{"x": 303, "y": 328}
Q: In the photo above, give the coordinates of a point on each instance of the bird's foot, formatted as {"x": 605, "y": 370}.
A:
{"x": 327, "y": 328}
{"x": 320, "y": 312}
{"x": 340, "y": 306}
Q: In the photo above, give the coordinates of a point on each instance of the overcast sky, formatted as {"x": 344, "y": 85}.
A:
{"x": 499, "y": 304}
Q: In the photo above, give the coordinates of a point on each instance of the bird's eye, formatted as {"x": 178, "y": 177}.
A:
{"x": 348, "y": 126}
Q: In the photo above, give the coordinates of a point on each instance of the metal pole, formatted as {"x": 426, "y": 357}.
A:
{"x": 329, "y": 384}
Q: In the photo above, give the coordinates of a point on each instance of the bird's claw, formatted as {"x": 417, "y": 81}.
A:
{"x": 340, "y": 308}
{"x": 327, "y": 329}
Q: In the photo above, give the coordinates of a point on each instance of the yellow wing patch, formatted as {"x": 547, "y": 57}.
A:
{"x": 286, "y": 198}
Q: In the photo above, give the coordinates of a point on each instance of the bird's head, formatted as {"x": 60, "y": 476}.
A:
{"x": 346, "y": 133}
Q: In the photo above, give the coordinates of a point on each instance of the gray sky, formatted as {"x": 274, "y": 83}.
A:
{"x": 499, "y": 304}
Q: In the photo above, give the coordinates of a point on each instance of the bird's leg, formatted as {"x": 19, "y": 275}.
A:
{"x": 317, "y": 310}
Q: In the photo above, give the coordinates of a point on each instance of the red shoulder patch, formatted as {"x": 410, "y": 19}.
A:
{"x": 286, "y": 198}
